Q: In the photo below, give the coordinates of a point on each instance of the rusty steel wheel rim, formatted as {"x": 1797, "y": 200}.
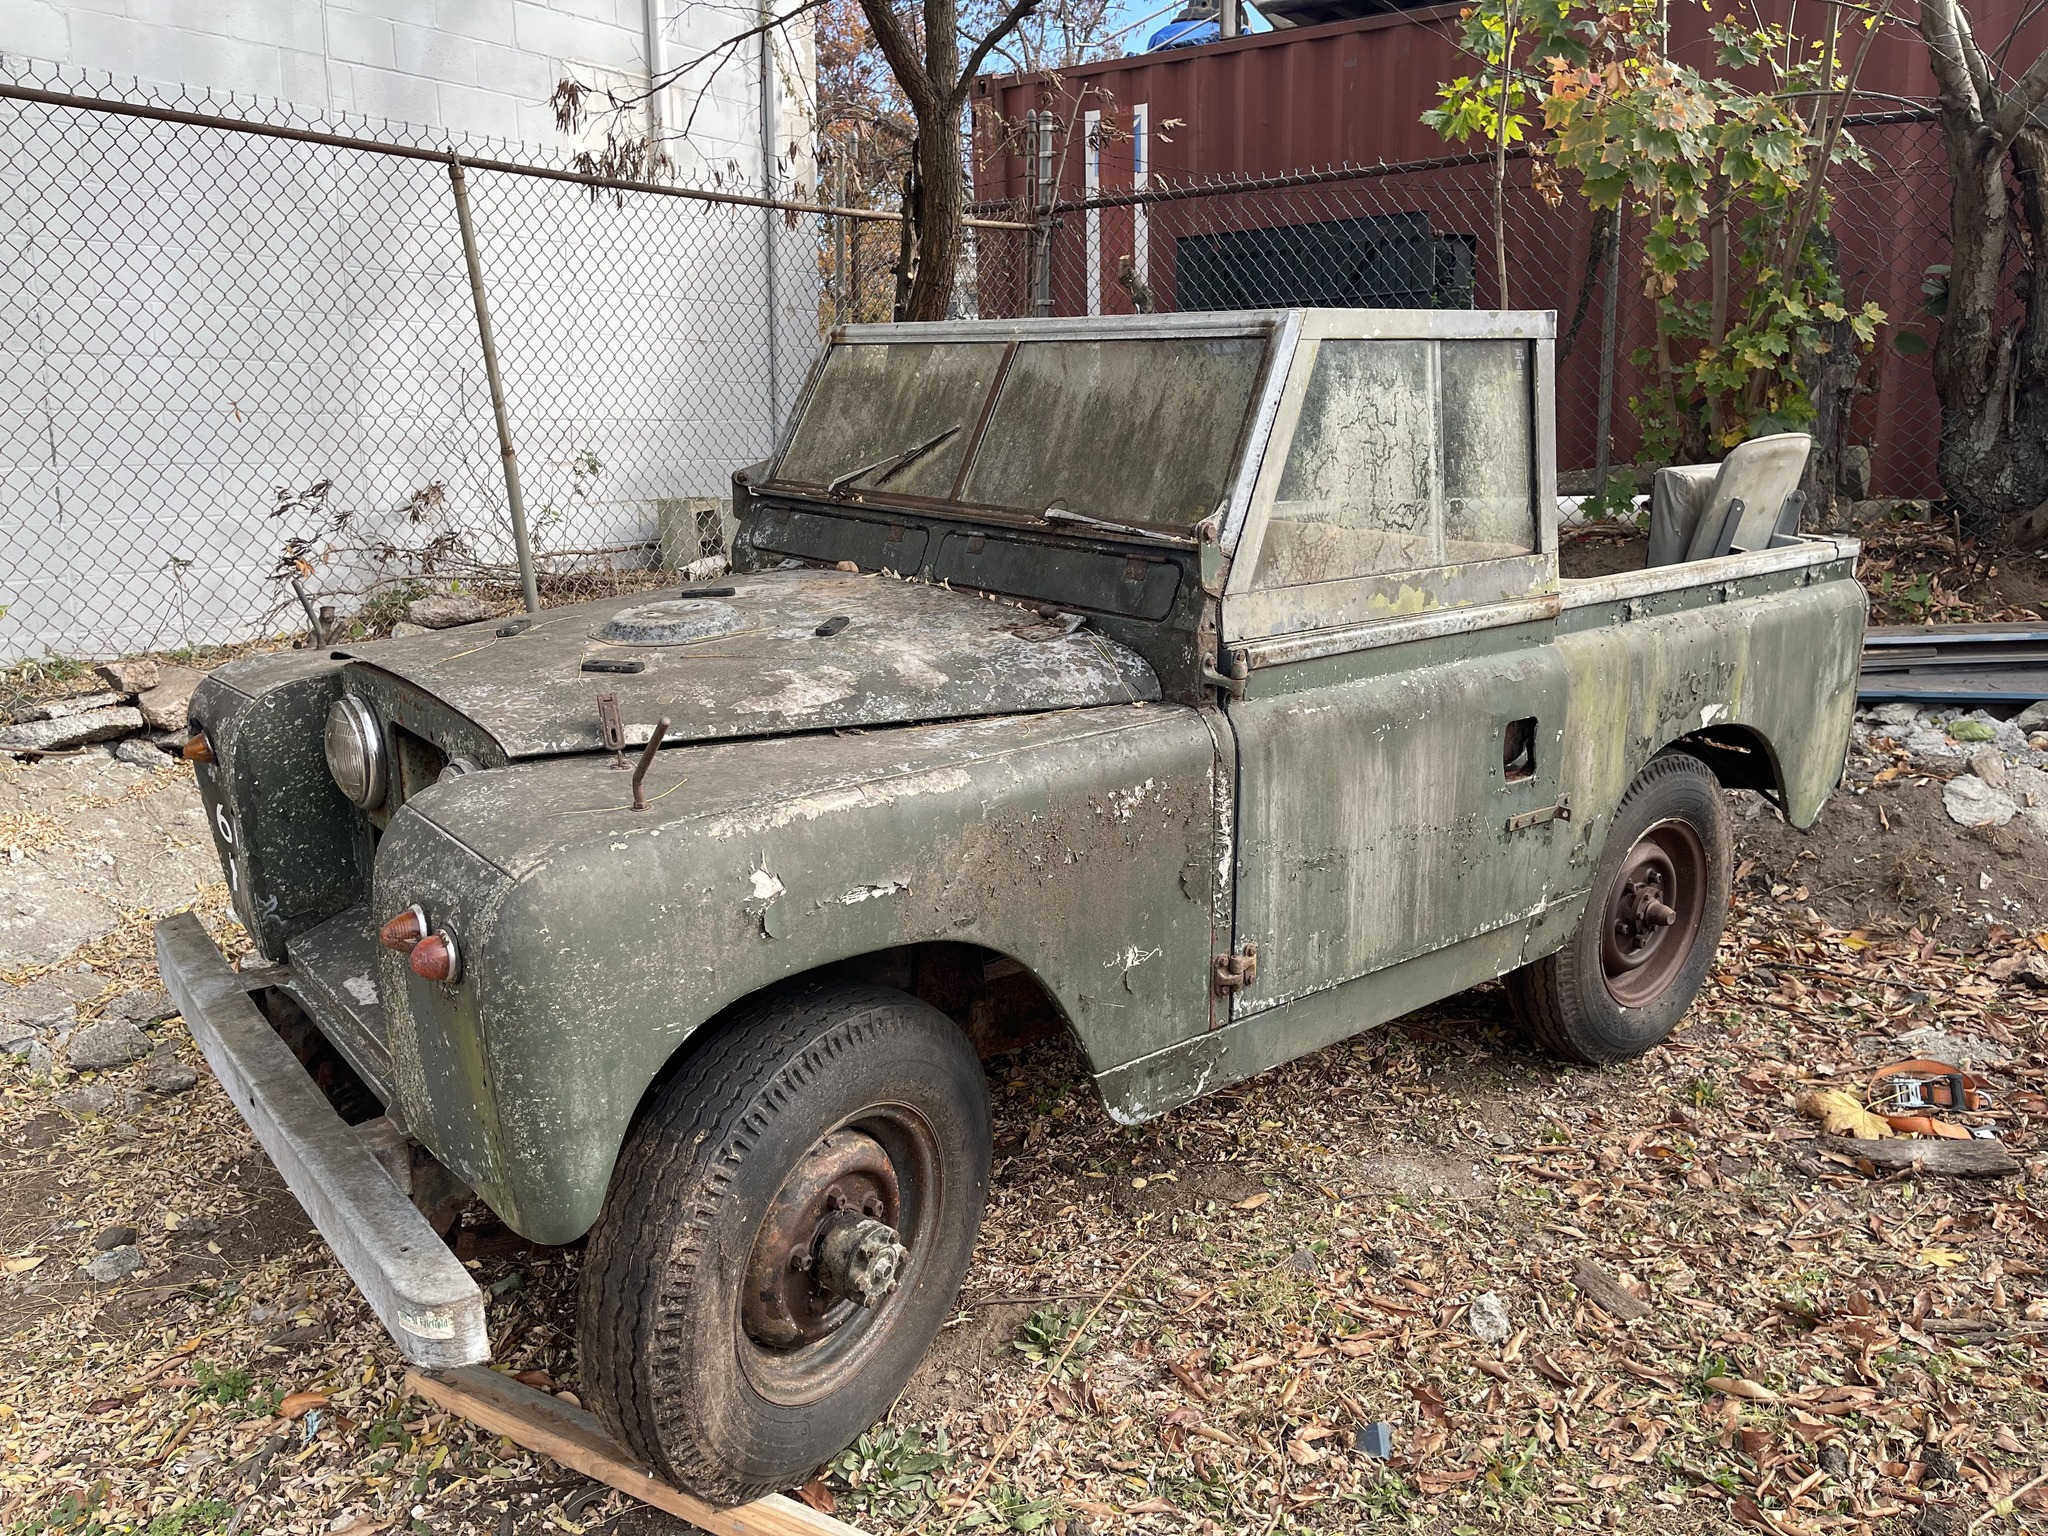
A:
{"x": 1652, "y": 914}
{"x": 820, "y": 1293}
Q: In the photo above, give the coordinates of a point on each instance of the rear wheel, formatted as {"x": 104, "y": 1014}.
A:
{"x": 1643, "y": 947}
{"x": 786, "y": 1230}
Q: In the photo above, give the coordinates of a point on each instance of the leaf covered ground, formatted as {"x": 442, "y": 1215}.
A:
{"x": 1185, "y": 1327}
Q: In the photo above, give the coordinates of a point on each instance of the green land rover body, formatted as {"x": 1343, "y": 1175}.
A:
{"x": 1201, "y": 685}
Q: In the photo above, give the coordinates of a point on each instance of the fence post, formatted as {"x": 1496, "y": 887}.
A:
{"x": 1603, "y": 428}
{"x": 528, "y": 587}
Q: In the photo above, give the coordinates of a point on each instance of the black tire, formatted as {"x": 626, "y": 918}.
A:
{"x": 1628, "y": 973}
{"x": 670, "y": 1361}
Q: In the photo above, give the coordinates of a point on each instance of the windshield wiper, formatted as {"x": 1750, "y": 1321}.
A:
{"x": 1059, "y": 514}
{"x": 893, "y": 464}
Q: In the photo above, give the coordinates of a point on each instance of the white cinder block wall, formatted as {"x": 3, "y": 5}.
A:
{"x": 169, "y": 359}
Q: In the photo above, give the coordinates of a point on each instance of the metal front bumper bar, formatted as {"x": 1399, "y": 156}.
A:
{"x": 413, "y": 1283}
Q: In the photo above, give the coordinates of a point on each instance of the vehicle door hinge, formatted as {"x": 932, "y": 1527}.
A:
{"x": 1230, "y": 682}
{"x": 1236, "y": 972}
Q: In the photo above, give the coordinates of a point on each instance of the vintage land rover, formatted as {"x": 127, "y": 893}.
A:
{"x": 1201, "y": 685}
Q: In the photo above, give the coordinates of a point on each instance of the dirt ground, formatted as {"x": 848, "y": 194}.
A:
{"x": 1182, "y": 1328}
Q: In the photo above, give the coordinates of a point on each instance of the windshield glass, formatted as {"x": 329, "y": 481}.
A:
{"x": 877, "y": 405}
{"x": 1133, "y": 431}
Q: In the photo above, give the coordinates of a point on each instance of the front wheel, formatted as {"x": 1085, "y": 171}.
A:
{"x": 787, "y": 1227}
{"x": 1643, "y": 947}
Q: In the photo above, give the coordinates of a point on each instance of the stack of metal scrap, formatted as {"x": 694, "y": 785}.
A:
{"x": 1988, "y": 664}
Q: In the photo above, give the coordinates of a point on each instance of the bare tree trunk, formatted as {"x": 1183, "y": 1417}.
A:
{"x": 941, "y": 201}
{"x": 1992, "y": 378}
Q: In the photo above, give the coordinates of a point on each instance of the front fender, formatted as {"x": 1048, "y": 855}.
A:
{"x": 597, "y": 939}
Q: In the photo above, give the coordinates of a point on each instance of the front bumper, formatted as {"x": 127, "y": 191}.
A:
{"x": 418, "y": 1289}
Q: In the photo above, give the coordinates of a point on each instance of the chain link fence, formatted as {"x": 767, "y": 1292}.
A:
{"x": 240, "y": 346}
{"x": 1421, "y": 234}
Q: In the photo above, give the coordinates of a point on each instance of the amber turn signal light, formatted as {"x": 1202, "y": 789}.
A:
{"x": 437, "y": 959}
{"x": 404, "y": 930}
{"x": 197, "y": 748}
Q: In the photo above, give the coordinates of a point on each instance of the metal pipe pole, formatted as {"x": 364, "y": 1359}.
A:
{"x": 768, "y": 215}
{"x": 528, "y": 587}
{"x": 1603, "y": 428}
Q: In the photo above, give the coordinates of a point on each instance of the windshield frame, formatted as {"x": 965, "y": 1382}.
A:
{"x": 1276, "y": 329}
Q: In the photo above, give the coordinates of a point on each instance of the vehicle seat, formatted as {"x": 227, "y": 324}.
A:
{"x": 1746, "y": 502}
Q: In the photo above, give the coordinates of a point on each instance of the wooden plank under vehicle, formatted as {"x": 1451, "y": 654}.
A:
{"x": 527, "y": 1416}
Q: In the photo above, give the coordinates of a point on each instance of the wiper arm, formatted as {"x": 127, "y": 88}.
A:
{"x": 1059, "y": 514}
{"x": 893, "y": 464}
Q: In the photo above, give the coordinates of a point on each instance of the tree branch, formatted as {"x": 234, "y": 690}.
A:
{"x": 1954, "y": 80}
{"x": 2027, "y": 93}
{"x": 1011, "y": 20}
{"x": 902, "y": 56}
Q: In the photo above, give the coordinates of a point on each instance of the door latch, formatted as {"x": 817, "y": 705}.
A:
{"x": 1236, "y": 972}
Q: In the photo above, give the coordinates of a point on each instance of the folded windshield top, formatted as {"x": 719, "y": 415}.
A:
{"x": 1131, "y": 430}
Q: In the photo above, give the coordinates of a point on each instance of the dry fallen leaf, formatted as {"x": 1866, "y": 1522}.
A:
{"x": 1840, "y": 1115}
{"x": 297, "y": 1405}
{"x": 1739, "y": 1386}
{"x": 24, "y": 1264}
{"x": 1253, "y": 1202}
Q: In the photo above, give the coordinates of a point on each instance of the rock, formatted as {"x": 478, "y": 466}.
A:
{"x": 1834, "y": 1461}
{"x": 192, "y": 1226}
{"x": 402, "y": 630}
{"x": 16, "y": 1037}
{"x": 1488, "y": 1318}
{"x": 69, "y": 731}
{"x": 2038, "y": 742}
{"x": 1970, "y": 802}
{"x": 108, "y": 1043}
{"x": 1898, "y": 712}
{"x": 1989, "y": 765}
{"x": 1303, "y": 1261}
{"x": 1937, "y": 1467}
{"x": 115, "y": 1264}
{"x": 1931, "y": 1044}
{"x": 167, "y": 1074}
{"x": 41, "y": 1061}
{"x": 145, "y": 1006}
{"x": 164, "y": 706}
{"x": 85, "y": 1101}
{"x": 449, "y": 609}
{"x": 133, "y": 749}
{"x": 2033, "y": 718}
{"x": 114, "y": 1237}
{"x": 138, "y": 674}
{"x": 63, "y": 709}
{"x": 1852, "y": 472}
{"x": 1381, "y": 1256}
{"x": 1925, "y": 741}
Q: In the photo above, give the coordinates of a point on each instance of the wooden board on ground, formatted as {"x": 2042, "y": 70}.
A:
{"x": 1972, "y": 1159}
{"x": 530, "y": 1417}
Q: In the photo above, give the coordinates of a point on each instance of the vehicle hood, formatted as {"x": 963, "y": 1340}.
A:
{"x": 754, "y": 662}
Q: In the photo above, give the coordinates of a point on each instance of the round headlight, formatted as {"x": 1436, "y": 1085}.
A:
{"x": 355, "y": 751}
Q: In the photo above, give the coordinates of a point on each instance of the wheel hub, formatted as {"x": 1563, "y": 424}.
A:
{"x": 1652, "y": 913}
{"x": 828, "y": 1246}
